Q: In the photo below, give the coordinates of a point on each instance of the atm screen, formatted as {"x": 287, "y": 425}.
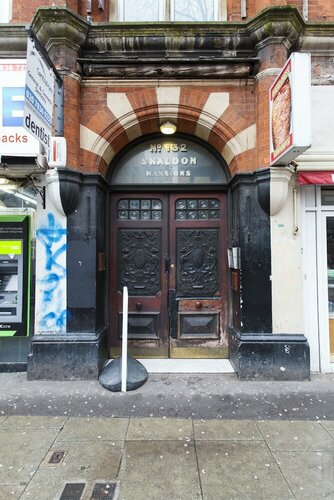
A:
{"x": 8, "y": 282}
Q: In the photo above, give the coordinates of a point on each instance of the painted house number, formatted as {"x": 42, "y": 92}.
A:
{"x": 169, "y": 147}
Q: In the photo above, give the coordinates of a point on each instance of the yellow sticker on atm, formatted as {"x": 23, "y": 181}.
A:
{"x": 10, "y": 247}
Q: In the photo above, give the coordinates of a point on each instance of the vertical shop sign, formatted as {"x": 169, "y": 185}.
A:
{"x": 39, "y": 95}
{"x": 14, "y": 275}
{"x": 290, "y": 110}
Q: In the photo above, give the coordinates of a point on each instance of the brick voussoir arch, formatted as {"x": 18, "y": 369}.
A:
{"x": 103, "y": 138}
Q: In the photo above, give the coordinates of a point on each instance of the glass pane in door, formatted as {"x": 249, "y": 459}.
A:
{"x": 330, "y": 281}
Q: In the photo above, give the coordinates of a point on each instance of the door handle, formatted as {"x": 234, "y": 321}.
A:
{"x": 167, "y": 264}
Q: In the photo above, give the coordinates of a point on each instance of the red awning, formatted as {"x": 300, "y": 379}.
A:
{"x": 316, "y": 177}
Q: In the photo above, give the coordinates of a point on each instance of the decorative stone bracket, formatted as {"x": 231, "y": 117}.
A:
{"x": 279, "y": 185}
{"x": 272, "y": 188}
{"x": 63, "y": 188}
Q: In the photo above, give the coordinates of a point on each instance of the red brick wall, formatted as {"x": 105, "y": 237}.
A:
{"x": 24, "y": 10}
{"x": 321, "y": 10}
{"x": 318, "y": 10}
{"x": 72, "y": 120}
{"x": 263, "y": 4}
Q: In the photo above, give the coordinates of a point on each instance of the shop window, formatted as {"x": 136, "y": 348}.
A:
{"x": 5, "y": 11}
{"x": 170, "y": 10}
{"x": 327, "y": 197}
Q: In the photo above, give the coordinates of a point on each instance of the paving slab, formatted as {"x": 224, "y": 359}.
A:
{"x": 21, "y": 453}
{"x": 165, "y": 470}
{"x": 94, "y": 429}
{"x": 240, "y": 470}
{"x": 164, "y": 429}
{"x": 296, "y": 436}
{"x": 226, "y": 430}
{"x": 85, "y": 467}
{"x": 310, "y": 474}
{"x": 11, "y": 492}
{"x": 327, "y": 424}
{"x": 29, "y": 423}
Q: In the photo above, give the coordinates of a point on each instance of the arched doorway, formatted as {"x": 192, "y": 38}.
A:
{"x": 169, "y": 247}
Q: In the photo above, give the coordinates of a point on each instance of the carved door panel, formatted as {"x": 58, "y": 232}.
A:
{"x": 170, "y": 251}
{"x": 197, "y": 293}
{"x": 139, "y": 243}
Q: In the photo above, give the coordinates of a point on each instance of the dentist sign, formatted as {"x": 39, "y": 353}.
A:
{"x": 39, "y": 94}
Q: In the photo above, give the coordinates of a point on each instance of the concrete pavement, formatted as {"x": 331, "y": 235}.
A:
{"x": 172, "y": 395}
{"x": 43, "y": 458}
{"x": 177, "y": 437}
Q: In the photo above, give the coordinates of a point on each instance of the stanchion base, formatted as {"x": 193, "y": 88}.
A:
{"x": 110, "y": 377}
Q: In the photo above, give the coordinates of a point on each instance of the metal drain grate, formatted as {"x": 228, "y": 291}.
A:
{"x": 103, "y": 491}
{"x": 72, "y": 491}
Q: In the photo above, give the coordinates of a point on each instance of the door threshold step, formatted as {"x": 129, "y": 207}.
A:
{"x": 187, "y": 365}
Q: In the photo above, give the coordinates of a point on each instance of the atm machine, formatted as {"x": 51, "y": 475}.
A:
{"x": 15, "y": 250}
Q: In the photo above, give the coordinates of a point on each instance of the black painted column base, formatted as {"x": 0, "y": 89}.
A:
{"x": 13, "y": 367}
{"x": 67, "y": 357}
{"x": 270, "y": 356}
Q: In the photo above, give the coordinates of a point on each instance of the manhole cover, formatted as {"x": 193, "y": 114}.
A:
{"x": 72, "y": 491}
{"x": 56, "y": 457}
{"x": 103, "y": 491}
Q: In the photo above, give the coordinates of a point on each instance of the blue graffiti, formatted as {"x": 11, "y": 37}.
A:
{"x": 54, "y": 319}
{"x": 51, "y": 282}
{"x": 50, "y": 236}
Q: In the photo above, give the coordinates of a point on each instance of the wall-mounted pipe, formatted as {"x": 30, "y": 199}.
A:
{"x": 295, "y": 215}
{"x": 305, "y": 10}
{"x": 243, "y": 9}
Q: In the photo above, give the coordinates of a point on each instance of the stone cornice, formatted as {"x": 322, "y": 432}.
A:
{"x": 218, "y": 39}
{"x": 13, "y": 41}
{"x": 171, "y": 50}
{"x": 176, "y": 45}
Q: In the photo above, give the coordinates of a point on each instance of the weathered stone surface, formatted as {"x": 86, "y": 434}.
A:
{"x": 110, "y": 377}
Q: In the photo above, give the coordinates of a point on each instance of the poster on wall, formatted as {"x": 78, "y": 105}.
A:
{"x": 290, "y": 110}
{"x": 14, "y": 140}
{"x": 14, "y": 275}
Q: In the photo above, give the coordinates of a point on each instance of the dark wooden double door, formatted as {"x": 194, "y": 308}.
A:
{"x": 169, "y": 250}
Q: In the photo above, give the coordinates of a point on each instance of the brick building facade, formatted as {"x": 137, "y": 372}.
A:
{"x": 234, "y": 272}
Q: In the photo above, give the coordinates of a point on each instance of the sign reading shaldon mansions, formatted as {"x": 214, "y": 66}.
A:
{"x": 169, "y": 161}
{"x": 290, "y": 110}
